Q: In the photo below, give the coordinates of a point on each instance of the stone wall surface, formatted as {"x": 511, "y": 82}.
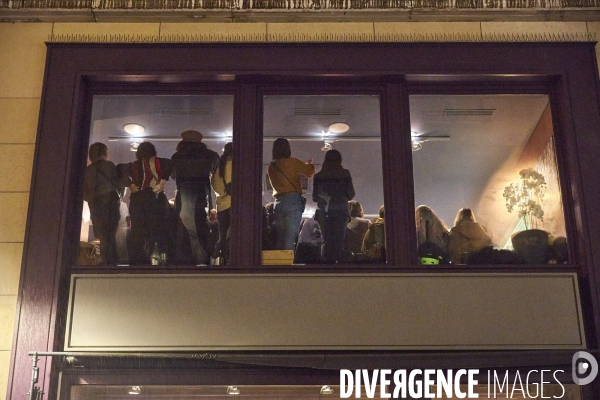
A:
{"x": 22, "y": 60}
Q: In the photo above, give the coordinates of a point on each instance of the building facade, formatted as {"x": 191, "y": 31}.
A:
{"x": 55, "y": 66}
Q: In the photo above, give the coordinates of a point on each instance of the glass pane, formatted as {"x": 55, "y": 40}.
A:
{"x": 486, "y": 180}
{"x": 148, "y": 197}
{"x": 326, "y": 149}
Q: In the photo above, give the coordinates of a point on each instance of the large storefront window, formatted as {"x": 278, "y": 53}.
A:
{"x": 157, "y": 181}
{"x": 486, "y": 180}
{"x": 325, "y": 149}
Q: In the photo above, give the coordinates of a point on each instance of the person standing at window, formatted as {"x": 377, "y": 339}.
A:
{"x": 332, "y": 189}
{"x": 101, "y": 187}
{"x": 192, "y": 165}
{"x": 147, "y": 203}
{"x": 221, "y": 184}
{"x": 284, "y": 173}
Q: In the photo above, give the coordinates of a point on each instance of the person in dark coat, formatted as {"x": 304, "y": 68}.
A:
{"x": 147, "y": 203}
{"x": 332, "y": 189}
{"x": 193, "y": 164}
{"x": 101, "y": 187}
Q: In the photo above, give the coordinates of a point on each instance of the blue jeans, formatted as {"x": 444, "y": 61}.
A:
{"x": 191, "y": 208}
{"x": 288, "y": 211}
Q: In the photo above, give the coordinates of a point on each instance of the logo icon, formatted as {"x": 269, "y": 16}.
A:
{"x": 583, "y": 363}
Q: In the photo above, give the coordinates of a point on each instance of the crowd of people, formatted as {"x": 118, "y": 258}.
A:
{"x": 440, "y": 244}
{"x": 468, "y": 242}
{"x": 179, "y": 230}
{"x": 337, "y": 232}
{"x": 182, "y": 232}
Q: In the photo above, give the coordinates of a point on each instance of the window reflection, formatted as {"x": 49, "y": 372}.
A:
{"x": 486, "y": 180}
{"x": 149, "y": 196}
{"x": 324, "y": 151}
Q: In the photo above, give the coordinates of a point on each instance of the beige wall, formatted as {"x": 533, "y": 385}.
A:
{"x": 22, "y": 54}
{"x": 22, "y": 57}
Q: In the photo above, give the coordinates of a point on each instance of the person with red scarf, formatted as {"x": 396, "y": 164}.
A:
{"x": 147, "y": 203}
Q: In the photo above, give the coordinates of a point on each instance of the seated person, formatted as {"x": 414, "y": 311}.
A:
{"x": 308, "y": 249}
{"x": 559, "y": 251}
{"x": 430, "y": 228}
{"x": 467, "y": 236}
{"x": 373, "y": 245}
{"x": 431, "y": 233}
{"x": 356, "y": 228}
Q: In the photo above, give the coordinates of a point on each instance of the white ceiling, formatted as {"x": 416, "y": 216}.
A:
{"x": 453, "y": 174}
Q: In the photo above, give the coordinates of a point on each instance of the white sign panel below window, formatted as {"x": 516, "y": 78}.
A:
{"x": 324, "y": 312}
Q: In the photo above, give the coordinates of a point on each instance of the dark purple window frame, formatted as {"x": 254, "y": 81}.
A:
{"x": 567, "y": 72}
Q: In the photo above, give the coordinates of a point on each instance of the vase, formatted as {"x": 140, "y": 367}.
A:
{"x": 532, "y": 245}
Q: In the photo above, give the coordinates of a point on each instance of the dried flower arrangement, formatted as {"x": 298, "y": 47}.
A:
{"x": 526, "y": 196}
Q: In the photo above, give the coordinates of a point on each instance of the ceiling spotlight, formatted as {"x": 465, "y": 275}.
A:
{"x": 135, "y": 390}
{"x": 326, "y": 147}
{"x": 232, "y": 390}
{"x": 326, "y": 390}
{"x": 134, "y": 146}
{"x": 338, "y": 127}
{"x": 134, "y": 129}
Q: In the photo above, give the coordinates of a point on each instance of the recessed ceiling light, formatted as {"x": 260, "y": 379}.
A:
{"x": 134, "y": 129}
{"x": 416, "y": 145}
{"x": 338, "y": 127}
{"x": 134, "y": 146}
{"x": 135, "y": 390}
